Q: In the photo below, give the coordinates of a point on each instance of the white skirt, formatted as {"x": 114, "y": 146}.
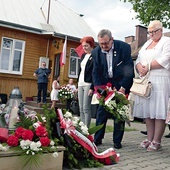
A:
{"x": 54, "y": 95}
{"x": 156, "y": 106}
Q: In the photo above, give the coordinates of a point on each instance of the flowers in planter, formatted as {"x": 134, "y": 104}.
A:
{"x": 65, "y": 93}
{"x": 115, "y": 103}
{"x": 37, "y": 134}
{"x": 30, "y": 139}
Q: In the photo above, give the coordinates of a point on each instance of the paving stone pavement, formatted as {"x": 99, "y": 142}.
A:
{"x": 132, "y": 157}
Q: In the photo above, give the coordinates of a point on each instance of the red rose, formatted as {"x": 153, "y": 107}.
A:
{"x": 45, "y": 141}
{"x": 12, "y": 141}
{"x": 27, "y": 135}
{"x": 41, "y": 131}
{"x": 19, "y": 131}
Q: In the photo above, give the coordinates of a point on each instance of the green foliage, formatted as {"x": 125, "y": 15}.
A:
{"x": 94, "y": 129}
{"x": 77, "y": 156}
{"x": 25, "y": 122}
{"x": 148, "y": 10}
{"x": 51, "y": 119}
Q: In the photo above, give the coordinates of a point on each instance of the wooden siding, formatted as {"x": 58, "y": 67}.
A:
{"x": 35, "y": 47}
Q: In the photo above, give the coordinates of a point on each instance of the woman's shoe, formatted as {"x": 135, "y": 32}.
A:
{"x": 154, "y": 146}
{"x": 145, "y": 143}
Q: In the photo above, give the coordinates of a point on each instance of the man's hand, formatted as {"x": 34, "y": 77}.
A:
{"x": 122, "y": 90}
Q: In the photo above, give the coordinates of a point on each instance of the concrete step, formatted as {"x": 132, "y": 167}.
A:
{"x": 35, "y": 104}
{"x": 38, "y": 107}
{"x": 48, "y": 99}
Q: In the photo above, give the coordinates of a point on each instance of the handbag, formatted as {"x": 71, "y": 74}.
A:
{"x": 141, "y": 86}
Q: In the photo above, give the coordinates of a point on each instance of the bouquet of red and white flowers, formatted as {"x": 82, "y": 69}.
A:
{"x": 30, "y": 139}
{"x": 65, "y": 93}
{"x": 115, "y": 103}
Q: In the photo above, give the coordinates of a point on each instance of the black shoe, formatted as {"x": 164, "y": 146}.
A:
{"x": 38, "y": 102}
{"x": 117, "y": 145}
{"x": 143, "y": 132}
{"x": 167, "y": 136}
{"x": 98, "y": 143}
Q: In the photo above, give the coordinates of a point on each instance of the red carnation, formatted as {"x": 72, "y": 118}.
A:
{"x": 27, "y": 135}
{"x": 108, "y": 161}
{"x": 12, "y": 141}
{"x": 41, "y": 131}
{"x": 109, "y": 85}
{"x": 90, "y": 137}
{"x": 19, "y": 131}
{"x": 45, "y": 141}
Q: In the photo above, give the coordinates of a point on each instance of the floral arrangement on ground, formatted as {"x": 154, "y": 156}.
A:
{"x": 37, "y": 134}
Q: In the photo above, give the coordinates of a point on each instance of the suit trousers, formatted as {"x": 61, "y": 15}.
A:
{"x": 101, "y": 118}
{"x": 42, "y": 87}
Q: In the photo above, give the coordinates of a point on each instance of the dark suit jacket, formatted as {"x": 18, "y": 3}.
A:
{"x": 88, "y": 70}
{"x": 123, "y": 66}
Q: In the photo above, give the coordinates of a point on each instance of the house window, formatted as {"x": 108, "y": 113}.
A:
{"x": 12, "y": 56}
{"x": 74, "y": 64}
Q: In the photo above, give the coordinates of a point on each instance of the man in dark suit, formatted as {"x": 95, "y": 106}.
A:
{"x": 112, "y": 63}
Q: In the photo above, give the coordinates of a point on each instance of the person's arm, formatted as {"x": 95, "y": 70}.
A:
{"x": 35, "y": 75}
{"x": 164, "y": 60}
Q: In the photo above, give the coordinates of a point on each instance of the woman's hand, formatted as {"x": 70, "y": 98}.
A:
{"x": 90, "y": 93}
{"x": 142, "y": 69}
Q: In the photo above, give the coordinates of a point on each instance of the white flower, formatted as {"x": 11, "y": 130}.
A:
{"x": 4, "y": 148}
{"x": 55, "y": 154}
{"x": 81, "y": 123}
{"x": 44, "y": 119}
{"x": 33, "y": 153}
{"x": 28, "y": 151}
{"x": 68, "y": 115}
{"x": 52, "y": 143}
{"x": 53, "y": 147}
{"x": 35, "y": 146}
{"x": 35, "y": 125}
{"x": 25, "y": 144}
{"x": 85, "y": 130}
{"x": 111, "y": 104}
{"x": 75, "y": 121}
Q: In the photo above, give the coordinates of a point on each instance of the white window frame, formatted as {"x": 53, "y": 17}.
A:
{"x": 77, "y": 59}
{"x": 12, "y": 51}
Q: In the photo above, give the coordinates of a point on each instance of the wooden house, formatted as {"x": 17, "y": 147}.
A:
{"x": 32, "y": 31}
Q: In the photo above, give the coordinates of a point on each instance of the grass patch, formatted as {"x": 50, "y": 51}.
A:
{"x": 110, "y": 128}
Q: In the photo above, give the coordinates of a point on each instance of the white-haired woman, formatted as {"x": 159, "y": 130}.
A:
{"x": 154, "y": 57}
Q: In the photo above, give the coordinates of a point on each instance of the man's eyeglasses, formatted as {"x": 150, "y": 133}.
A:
{"x": 153, "y": 32}
{"x": 105, "y": 43}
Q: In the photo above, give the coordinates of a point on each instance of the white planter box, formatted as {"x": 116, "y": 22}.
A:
{"x": 11, "y": 161}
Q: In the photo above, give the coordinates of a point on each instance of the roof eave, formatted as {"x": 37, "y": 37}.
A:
{"x": 20, "y": 27}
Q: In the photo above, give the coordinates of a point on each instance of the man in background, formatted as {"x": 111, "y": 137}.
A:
{"x": 42, "y": 75}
